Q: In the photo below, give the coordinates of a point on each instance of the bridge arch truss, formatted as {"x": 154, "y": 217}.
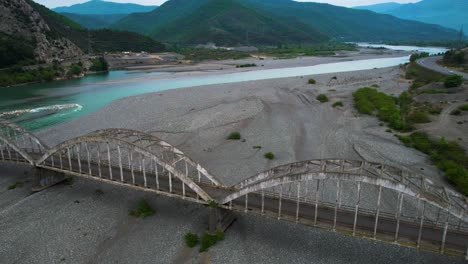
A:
{"x": 361, "y": 197}
{"x": 132, "y": 158}
{"x": 16, "y": 143}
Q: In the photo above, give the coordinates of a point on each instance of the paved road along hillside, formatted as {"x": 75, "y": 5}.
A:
{"x": 431, "y": 63}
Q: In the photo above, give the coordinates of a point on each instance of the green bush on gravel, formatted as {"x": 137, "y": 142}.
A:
{"x": 143, "y": 210}
{"x": 208, "y": 240}
{"x": 234, "y": 136}
{"x": 448, "y": 156}
{"x": 191, "y": 239}
{"x": 453, "y": 81}
{"x": 322, "y": 98}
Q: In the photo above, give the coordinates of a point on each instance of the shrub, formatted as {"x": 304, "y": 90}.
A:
{"x": 269, "y": 156}
{"x": 246, "y": 65}
{"x": 322, "y": 98}
{"x": 448, "y": 156}
{"x": 257, "y": 147}
{"x": 191, "y": 240}
{"x": 143, "y": 210}
{"x": 456, "y": 112}
{"x": 312, "y": 81}
{"x": 208, "y": 240}
{"x": 418, "y": 117}
{"x": 75, "y": 69}
{"x": 339, "y": 103}
{"x": 416, "y": 56}
{"x": 99, "y": 64}
{"x": 369, "y": 101}
{"x": 234, "y": 136}
{"x": 453, "y": 81}
{"x": 463, "y": 108}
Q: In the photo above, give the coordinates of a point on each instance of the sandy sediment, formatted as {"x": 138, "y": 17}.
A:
{"x": 280, "y": 115}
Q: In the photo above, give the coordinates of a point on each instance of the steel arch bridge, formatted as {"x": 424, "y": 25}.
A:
{"x": 356, "y": 197}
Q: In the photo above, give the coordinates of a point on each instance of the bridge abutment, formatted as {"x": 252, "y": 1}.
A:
{"x": 220, "y": 219}
{"x": 44, "y": 178}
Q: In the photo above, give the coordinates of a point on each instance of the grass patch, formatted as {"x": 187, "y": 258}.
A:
{"x": 312, "y": 81}
{"x": 336, "y": 104}
{"x": 448, "y": 156}
{"x": 257, "y": 147}
{"x": 418, "y": 117}
{"x": 208, "y": 240}
{"x": 143, "y": 210}
{"x": 422, "y": 76}
{"x": 15, "y": 185}
{"x": 191, "y": 239}
{"x": 234, "y": 136}
{"x": 322, "y": 98}
{"x": 269, "y": 156}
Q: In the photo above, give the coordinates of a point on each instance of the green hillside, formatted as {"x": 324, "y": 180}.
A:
{"x": 230, "y": 23}
{"x": 100, "y": 40}
{"x": 272, "y": 21}
{"x": 99, "y": 7}
{"x": 354, "y": 25}
{"x": 94, "y": 21}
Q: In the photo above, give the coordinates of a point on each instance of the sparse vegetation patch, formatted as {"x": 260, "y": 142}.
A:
{"x": 269, "y": 156}
{"x": 234, "y": 136}
{"x": 448, "y": 156}
{"x": 143, "y": 210}
{"x": 247, "y": 65}
{"x": 339, "y": 103}
{"x": 17, "y": 184}
{"x": 453, "y": 81}
{"x": 322, "y": 98}
{"x": 191, "y": 239}
{"x": 208, "y": 240}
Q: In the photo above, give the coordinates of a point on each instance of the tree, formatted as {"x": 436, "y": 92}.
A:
{"x": 453, "y": 80}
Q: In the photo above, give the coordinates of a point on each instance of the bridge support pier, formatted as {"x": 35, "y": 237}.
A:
{"x": 44, "y": 179}
{"x": 220, "y": 219}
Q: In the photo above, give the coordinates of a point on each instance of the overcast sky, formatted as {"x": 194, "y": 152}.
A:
{"x": 348, "y": 3}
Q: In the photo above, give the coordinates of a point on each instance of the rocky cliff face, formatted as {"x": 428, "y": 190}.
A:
{"x": 21, "y": 20}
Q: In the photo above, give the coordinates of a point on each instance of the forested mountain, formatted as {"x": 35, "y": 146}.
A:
{"x": 270, "y": 22}
{"x": 448, "y": 13}
{"x": 100, "y": 7}
{"x": 94, "y": 21}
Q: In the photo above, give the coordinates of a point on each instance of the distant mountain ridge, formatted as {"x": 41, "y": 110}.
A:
{"x": 380, "y": 8}
{"x": 448, "y": 13}
{"x": 94, "y": 21}
{"x": 100, "y": 7}
{"x": 270, "y": 22}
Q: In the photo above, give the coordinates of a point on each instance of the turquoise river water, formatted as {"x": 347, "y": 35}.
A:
{"x": 41, "y": 105}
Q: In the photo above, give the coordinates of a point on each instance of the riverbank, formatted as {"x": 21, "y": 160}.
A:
{"x": 280, "y": 115}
